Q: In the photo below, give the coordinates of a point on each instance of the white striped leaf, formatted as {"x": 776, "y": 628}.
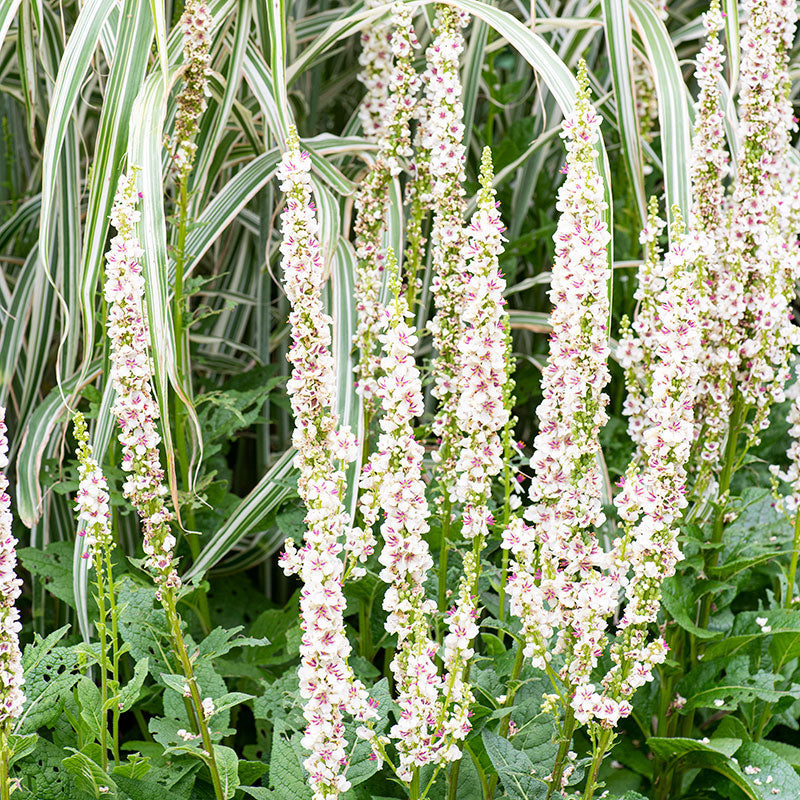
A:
{"x": 673, "y": 111}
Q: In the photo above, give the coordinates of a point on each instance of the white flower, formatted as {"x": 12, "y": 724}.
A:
{"x": 12, "y": 698}
{"x": 399, "y": 85}
{"x": 135, "y": 408}
{"x": 327, "y": 684}
{"x": 557, "y": 584}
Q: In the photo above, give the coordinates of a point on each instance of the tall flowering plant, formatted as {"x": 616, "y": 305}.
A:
{"x": 399, "y": 84}
{"x": 136, "y": 412}
{"x": 561, "y": 583}
{"x": 12, "y": 697}
{"x": 653, "y": 493}
{"x": 94, "y": 526}
{"x": 327, "y": 684}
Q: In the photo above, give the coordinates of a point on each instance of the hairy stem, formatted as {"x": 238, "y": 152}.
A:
{"x": 179, "y": 648}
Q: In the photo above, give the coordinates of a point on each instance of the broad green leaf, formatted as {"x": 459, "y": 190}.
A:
{"x": 287, "y": 778}
{"x": 514, "y": 768}
{"x": 89, "y": 776}
{"x": 228, "y": 768}
{"x": 129, "y": 693}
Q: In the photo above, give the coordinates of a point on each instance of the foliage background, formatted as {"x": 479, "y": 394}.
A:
{"x": 83, "y": 87}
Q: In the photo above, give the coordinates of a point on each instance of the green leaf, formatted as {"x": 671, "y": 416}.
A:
{"x": 775, "y": 773}
{"x": 513, "y": 767}
{"x": 135, "y": 767}
{"x": 287, "y": 778}
{"x": 89, "y": 776}
{"x": 50, "y": 673}
{"x": 90, "y": 705}
{"x": 129, "y": 693}
{"x": 53, "y": 566}
{"x": 228, "y": 768}
{"x": 679, "y": 602}
{"x": 46, "y": 776}
{"x": 229, "y": 700}
{"x": 21, "y": 746}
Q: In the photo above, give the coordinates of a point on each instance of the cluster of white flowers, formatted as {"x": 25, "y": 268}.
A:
{"x": 638, "y": 342}
{"x": 394, "y": 144}
{"x": 196, "y": 23}
{"x": 376, "y": 62}
{"x": 654, "y": 493}
{"x": 482, "y": 369}
{"x": 392, "y": 483}
{"x": 721, "y": 292}
{"x": 327, "y": 683}
{"x": 91, "y": 501}
{"x": 562, "y": 582}
{"x": 135, "y": 408}
{"x": 761, "y": 242}
{"x": 12, "y": 698}
{"x": 442, "y": 137}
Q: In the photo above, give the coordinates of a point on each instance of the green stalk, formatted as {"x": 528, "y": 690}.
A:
{"x": 506, "y": 518}
{"x": 712, "y": 554}
{"x": 104, "y": 665}
{"x": 5, "y": 778}
{"x": 505, "y": 723}
{"x": 597, "y": 761}
{"x": 563, "y": 748}
{"x": 115, "y": 656}
{"x": 445, "y": 546}
{"x": 181, "y": 347}
{"x": 793, "y": 565}
{"x": 179, "y": 648}
{"x": 413, "y": 791}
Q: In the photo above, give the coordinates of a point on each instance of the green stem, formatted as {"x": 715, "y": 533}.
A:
{"x": 5, "y": 777}
{"x": 104, "y": 665}
{"x": 597, "y": 761}
{"x": 181, "y": 359}
{"x": 793, "y": 565}
{"x": 712, "y": 554}
{"x": 563, "y": 748}
{"x": 413, "y": 790}
{"x": 365, "y": 634}
{"x": 505, "y": 723}
{"x": 115, "y": 656}
{"x": 179, "y": 648}
{"x": 445, "y": 546}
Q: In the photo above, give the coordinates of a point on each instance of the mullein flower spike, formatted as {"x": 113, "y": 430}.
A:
{"x": 12, "y": 697}
{"x": 394, "y": 144}
{"x": 135, "y": 408}
{"x": 327, "y": 684}
{"x": 562, "y": 582}
{"x": 196, "y": 23}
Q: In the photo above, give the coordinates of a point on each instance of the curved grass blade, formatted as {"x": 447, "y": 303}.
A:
{"x": 732, "y": 40}
{"x": 276, "y": 22}
{"x": 38, "y": 439}
{"x": 252, "y": 513}
{"x": 8, "y": 10}
{"x": 673, "y": 111}
{"x": 134, "y": 39}
{"x": 619, "y": 46}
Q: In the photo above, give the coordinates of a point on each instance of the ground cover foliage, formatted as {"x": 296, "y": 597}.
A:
{"x": 399, "y": 400}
